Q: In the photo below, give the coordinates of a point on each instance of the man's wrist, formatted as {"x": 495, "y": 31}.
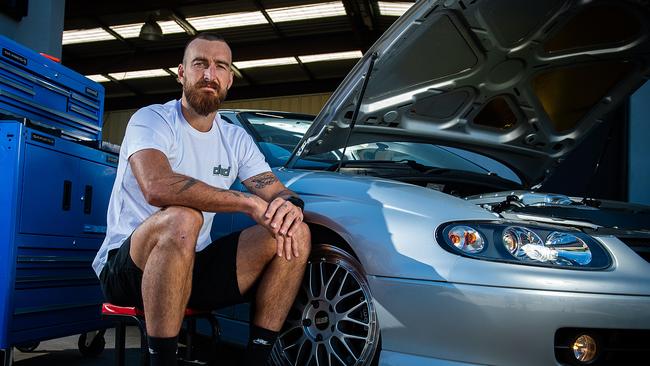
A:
{"x": 296, "y": 201}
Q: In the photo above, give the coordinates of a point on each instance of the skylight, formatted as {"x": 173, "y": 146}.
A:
{"x": 391, "y": 8}
{"x": 302, "y": 12}
{"x": 133, "y": 30}
{"x": 227, "y": 20}
{"x": 331, "y": 56}
{"x": 139, "y": 74}
{"x": 85, "y": 35}
{"x": 266, "y": 62}
{"x": 98, "y": 78}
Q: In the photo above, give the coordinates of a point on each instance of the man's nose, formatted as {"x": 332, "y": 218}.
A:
{"x": 210, "y": 73}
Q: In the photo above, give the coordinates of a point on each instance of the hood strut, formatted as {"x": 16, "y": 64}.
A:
{"x": 358, "y": 106}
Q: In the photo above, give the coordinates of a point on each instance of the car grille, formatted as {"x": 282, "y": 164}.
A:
{"x": 620, "y": 347}
{"x": 640, "y": 246}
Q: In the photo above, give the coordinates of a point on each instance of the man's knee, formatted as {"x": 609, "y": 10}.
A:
{"x": 180, "y": 226}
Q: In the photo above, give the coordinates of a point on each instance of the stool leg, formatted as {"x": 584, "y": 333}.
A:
{"x": 216, "y": 335}
{"x": 120, "y": 335}
{"x": 191, "y": 330}
{"x": 144, "y": 348}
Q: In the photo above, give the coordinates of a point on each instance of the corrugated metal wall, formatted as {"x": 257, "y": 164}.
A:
{"x": 115, "y": 121}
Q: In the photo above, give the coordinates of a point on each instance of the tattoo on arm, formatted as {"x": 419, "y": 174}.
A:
{"x": 189, "y": 182}
{"x": 263, "y": 180}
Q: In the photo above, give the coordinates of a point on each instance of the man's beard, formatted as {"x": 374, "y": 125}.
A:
{"x": 201, "y": 101}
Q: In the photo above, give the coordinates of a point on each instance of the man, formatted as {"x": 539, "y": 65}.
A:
{"x": 176, "y": 164}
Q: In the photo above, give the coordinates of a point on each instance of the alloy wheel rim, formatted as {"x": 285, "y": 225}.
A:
{"x": 333, "y": 320}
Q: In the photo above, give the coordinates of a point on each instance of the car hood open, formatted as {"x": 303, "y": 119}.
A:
{"x": 520, "y": 81}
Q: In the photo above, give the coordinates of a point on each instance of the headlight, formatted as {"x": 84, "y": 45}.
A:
{"x": 536, "y": 245}
{"x": 569, "y": 248}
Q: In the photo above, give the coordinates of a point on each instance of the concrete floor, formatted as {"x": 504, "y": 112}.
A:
{"x": 64, "y": 352}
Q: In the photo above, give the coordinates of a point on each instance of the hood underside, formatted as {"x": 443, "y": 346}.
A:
{"x": 520, "y": 81}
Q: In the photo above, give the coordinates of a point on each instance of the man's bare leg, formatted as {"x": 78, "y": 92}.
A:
{"x": 163, "y": 247}
{"x": 279, "y": 282}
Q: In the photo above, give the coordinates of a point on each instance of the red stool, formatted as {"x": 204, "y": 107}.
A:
{"x": 124, "y": 315}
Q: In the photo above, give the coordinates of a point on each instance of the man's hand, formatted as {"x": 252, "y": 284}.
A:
{"x": 281, "y": 218}
{"x": 285, "y": 218}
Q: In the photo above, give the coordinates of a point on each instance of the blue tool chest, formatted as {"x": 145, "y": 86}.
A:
{"x": 55, "y": 184}
{"x": 37, "y": 88}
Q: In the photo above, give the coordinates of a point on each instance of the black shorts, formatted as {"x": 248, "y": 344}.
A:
{"x": 214, "y": 279}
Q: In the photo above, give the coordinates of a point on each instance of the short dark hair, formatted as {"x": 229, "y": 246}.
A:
{"x": 208, "y": 36}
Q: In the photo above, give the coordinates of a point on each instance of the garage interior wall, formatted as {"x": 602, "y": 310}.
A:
{"x": 115, "y": 121}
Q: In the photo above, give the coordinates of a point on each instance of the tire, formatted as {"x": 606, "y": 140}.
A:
{"x": 333, "y": 321}
{"x": 27, "y": 347}
{"x": 95, "y": 347}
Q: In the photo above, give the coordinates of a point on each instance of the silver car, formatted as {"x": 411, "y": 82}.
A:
{"x": 433, "y": 241}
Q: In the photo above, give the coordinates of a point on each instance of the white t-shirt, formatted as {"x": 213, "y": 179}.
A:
{"x": 216, "y": 157}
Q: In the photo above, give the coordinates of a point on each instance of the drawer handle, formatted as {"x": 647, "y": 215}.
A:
{"x": 67, "y": 195}
{"x": 88, "y": 199}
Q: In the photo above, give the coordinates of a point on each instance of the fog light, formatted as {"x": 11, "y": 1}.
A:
{"x": 584, "y": 348}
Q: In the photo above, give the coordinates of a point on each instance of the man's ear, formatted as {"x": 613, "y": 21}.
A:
{"x": 181, "y": 73}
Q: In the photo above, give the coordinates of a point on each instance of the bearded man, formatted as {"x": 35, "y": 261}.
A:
{"x": 158, "y": 254}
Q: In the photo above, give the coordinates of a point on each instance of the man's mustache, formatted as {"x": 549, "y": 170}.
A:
{"x": 208, "y": 84}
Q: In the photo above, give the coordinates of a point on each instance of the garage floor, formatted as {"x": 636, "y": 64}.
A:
{"x": 64, "y": 351}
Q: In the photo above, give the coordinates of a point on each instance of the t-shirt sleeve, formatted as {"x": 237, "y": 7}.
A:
{"x": 148, "y": 129}
{"x": 251, "y": 162}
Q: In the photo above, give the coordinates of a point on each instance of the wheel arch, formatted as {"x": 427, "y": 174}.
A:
{"x": 323, "y": 235}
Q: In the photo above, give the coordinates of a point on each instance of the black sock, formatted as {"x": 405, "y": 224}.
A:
{"x": 162, "y": 351}
{"x": 260, "y": 344}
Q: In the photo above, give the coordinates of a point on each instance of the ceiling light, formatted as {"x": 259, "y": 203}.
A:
{"x": 128, "y": 30}
{"x": 151, "y": 31}
{"x": 98, "y": 78}
{"x": 170, "y": 27}
{"x": 390, "y": 8}
{"x": 227, "y": 20}
{"x": 85, "y": 35}
{"x": 139, "y": 74}
{"x": 133, "y": 30}
{"x": 331, "y": 56}
{"x": 266, "y": 62}
{"x": 324, "y": 10}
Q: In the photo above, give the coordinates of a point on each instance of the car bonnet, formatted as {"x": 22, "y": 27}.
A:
{"x": 520, "y": 81}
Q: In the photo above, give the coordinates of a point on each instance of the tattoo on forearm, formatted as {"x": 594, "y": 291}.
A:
{"x": 189, "y": 182}
{"x": 263, "y": 180}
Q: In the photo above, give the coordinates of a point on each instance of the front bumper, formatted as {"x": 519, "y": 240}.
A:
{"x": 439, "y": 323}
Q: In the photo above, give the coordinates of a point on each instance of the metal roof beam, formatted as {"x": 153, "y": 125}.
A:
{"x": 154, "y": 59}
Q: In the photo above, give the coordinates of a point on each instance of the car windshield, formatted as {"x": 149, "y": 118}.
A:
{"x": 279, "y": 133}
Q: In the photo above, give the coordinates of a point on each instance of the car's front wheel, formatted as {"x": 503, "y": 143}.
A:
{"x": 333, "y": 321}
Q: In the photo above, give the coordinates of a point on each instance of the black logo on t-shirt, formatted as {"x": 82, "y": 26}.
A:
{"x": 218, "y": 170}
